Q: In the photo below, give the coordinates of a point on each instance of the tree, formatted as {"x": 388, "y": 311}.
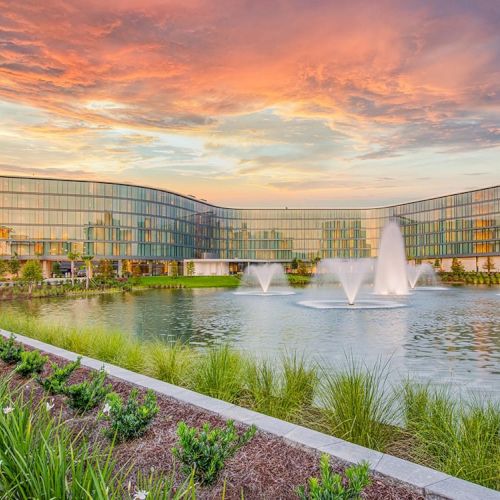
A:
{"x": 489, "y": 265}
{"x": 14, "y": 265}
{"x": 174, "y": 269}
{"x": 56, "y": 269}
{"x": 437, "y": 265}
{"x": 87, "y": 259}
{"x": 31, "y": 274}
{"x": 295, "y": 263}
{"x": 190, "y": 268}
{"x": 302, "y": 268}
{"x": 457, "y": 267}
{"x": 105, "y": 269}
{"x": 3, "y": 268}
{"x": 72, "y": 256}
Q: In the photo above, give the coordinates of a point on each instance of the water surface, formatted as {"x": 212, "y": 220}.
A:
{"x": 449, "y": 337}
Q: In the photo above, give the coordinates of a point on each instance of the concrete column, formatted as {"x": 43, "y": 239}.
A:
{"x": 47, "y": 268}
{"x": 150, "y": 268}
{"x": 120, "y": 268}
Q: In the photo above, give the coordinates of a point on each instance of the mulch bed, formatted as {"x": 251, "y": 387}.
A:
{"x": 265, "y": 468}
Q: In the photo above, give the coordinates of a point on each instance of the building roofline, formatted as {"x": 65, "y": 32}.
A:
{"x": 128, "y": 184}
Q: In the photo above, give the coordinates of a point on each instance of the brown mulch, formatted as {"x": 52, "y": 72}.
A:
{"x": 265, "y": 468}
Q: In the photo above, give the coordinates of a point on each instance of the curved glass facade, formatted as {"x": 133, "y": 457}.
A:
{"x": 49, "y": 217}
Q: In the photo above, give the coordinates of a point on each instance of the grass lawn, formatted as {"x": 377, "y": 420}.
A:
{"x": 191, "y": 281}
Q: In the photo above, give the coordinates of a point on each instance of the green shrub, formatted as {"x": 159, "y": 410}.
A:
{"x": 56, "y": 382}
{"x": 332, "y": 486}
{"x": 131, "y": 419}
{"x": 205, "y": 451}
{"x": 88, "y": 394}
{"x": 31, "y": 362}
{"x": 10, "y": 352}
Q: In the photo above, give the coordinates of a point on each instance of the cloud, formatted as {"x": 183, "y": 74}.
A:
{"x": 233, "y": 90}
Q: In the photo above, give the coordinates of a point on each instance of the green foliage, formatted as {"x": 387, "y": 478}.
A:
{"x": 51, "y": 462}
{"x": 284, "y": 395}
{"x": 302, "y": 269}
{"x": 88, "y": 394}
{"x": 332, "y": 486}
{"x": 219, "y": 374}
{"x": 462, "y": 439}
{"x": 205, "y": 451}
{"x": 358, "y": 406}
{"x": 10, "y": 352}
{"x": 105, "y": 269}
{"x": 14, "y": 265}
{"x": 170, "y": 363}
{"x": 56, "y": 269}
{"x": 130, "y": 419}
{"x": 489, "y": 265}
{"x": 55, "y": 383}
{"x": 457, "y": 266}
{"x": 189, "y": 281}
{"x": 190, "y": 268}
{"x": 161, "y": 487}
{"x": 299, "y": 383}
{"x": 173, "y": 269}
{"x": 3, "y": 268}
{"x": 31, "y": 273}
{"x": 31, "y": 362}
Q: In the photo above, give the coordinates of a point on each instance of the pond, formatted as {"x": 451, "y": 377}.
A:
{"x": 448, "y": 337}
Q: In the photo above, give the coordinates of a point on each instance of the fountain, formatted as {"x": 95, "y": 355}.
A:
{"x": 416, "y": 271}
{"x": 349, "y": 272}
{"x": 261, "y": 276}
{"x": 390, "y": 275}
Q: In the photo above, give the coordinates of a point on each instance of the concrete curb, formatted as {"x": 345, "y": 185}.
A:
{"x": 432, "y": 484}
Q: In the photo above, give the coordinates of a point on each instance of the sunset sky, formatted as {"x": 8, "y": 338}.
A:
{"x": 258, "y": 102}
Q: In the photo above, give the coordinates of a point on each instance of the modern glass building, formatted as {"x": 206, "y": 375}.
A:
{"x": 47, "y": 218}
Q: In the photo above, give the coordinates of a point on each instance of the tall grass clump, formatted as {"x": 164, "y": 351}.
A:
{"x": 41, "y": 458}
{"x": 358, "y": 405}
{"x": 262, "y": 387}
{"x": 219, "y": 374}
{"x": 172, "y": 363}
{"x": 299, "y": 384}
{"x": 457, "y": 437}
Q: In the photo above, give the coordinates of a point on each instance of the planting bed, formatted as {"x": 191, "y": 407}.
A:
{"x": 265, "y": 468}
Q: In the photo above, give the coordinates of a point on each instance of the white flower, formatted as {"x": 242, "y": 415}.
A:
{"x": 140, "y": 495}
{"x": 7, "y": 410}
{"x": 49, "y": 406}
{"x": 106, "y": 409}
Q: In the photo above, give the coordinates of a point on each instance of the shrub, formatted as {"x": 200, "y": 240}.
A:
{"x": 332, "y": 486}
{"x": 56, "y": 382}
{"x": 131, "y": 419}
{"x": 10, "y": 352}
{"x": 88, "y": 394}
{"x": 205, "y": 451}
{"x": 31, "y": 362}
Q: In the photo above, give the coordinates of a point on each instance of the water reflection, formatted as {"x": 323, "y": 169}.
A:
{"x": 444, "y": 336}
